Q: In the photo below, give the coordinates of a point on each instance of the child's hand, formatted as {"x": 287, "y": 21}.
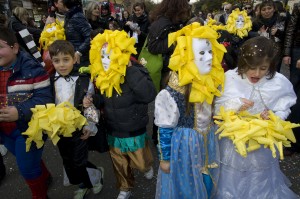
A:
{"x": 273, "y": 30}
{"x": 87, "y": 101}
{"x": 85, "y": 134}
{"x": 165, "y": 166}
{"x": 265, "y": 115}
{"x": 9, "y": 114}
{"x": 246, "y": 104}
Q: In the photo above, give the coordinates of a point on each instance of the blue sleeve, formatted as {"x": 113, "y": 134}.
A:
{"x": 164, "y": 143}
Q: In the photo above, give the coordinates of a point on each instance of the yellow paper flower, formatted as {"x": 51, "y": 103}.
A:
{"x": 60, "y": 120}
{"x": 52, "y": 32}
{"x": 231, "y": 23}
{"x": 121, "y": 46}
{"x": 214, "y": 25}
{"x": 248, "y": 132}
{"x": 204, "y": 87}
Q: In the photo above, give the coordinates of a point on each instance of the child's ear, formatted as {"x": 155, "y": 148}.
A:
{"x": 15, "y": 48}
{"x": 74, "y": 59}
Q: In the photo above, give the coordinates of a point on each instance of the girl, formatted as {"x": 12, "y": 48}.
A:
{"x": 254, "y": 86}
{"x": 187, "y": 146}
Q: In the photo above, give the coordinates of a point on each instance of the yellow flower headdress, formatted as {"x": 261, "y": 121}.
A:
{"x": 231, "y": 23}
{"x": 204, "y": 87}
{"x": 121, "y": 46}
{"x": 52, "y": 32}
{"x": 213, "y": 24}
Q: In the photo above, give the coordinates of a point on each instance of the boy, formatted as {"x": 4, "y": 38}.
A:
{"x": 24, "y": 84}
{"x": 72, "y": 87}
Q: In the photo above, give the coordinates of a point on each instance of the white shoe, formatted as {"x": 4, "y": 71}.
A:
{"x": 98, "y": 187}
{"x": 149, "y": 174}
{"x": 66, "y": 181}
{"x": 3, "y": 150}
{"x": 81, "y": 193}
{"x": 124, "y": 195}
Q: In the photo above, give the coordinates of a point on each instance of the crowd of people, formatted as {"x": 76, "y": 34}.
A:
{"x": 212, "y": 62}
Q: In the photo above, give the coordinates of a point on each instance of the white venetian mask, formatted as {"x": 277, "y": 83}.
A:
{"x": 105, "y": 57}
{"x": 202, "y": 50}
{"x": 240, "y": 22}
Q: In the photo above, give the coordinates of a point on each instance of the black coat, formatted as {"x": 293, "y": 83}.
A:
{"x": 158, "y": 38}
{"x": 127, "y": 114}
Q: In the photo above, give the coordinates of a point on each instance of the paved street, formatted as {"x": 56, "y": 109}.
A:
{"x": 14, "y": 187}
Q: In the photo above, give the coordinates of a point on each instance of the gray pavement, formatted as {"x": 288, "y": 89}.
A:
{"x": 14, "y": 187}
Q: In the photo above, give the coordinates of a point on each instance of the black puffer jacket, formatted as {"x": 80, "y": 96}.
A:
{"x": 127, "y": 114}
{"x": 158, "y": 38}
{"x": 78, "y": 32}
{"x": 292, "y": 35}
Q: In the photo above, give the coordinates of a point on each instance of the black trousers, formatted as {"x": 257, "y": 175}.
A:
{"x": 295, "y": 118}
{"x": 74, "y": 152}
{"x": 2, "y": 168}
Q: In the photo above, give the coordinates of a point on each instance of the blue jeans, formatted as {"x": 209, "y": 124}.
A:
{"x": 29, "y": 163}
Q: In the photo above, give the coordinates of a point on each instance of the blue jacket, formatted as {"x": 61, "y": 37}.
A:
{"x": 31, "y": 84}
{"x": 78, "y": 32}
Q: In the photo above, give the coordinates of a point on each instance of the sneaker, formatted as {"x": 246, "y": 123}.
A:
{"x": 149, "y": 174}
{"x": 66, "y": 180}
{"x": 81, "y": 193}
{"x": 98, "y": 187}
{"x": 3, "y": 150}
{"x": 124, "y": 195}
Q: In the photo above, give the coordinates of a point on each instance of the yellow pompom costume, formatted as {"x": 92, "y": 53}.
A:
{"x": 248, "y": 132}
{"x": 62, "y": 119}
{"x": 231, "y": 23}
{"x": 121, "y": 46}
{"x": 213, "y": 24}
{"x": 52, "y": 32}
{"x": 204, "y": 87}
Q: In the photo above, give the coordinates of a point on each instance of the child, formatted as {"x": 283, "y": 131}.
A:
{"x": 126, "y": 99}
{"x": 254, "y": 86}
{"x": 233, "y": 36}
{"x": 187, "y": 146}
{"x": 71, "y": 87}
{"x": 24, "y": 84}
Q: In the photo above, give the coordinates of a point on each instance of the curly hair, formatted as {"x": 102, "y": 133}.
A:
{"x": 256, "y": 51}
{"x": 175, "y": 10}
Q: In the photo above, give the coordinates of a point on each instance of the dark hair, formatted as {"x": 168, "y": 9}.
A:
{"x": 256, "y": 51}
{"x": 61, "y": 46}
{"x": 139, "y": 4}
{"x": 95, "y": 32}
{"x": 8, "y": 36}
{"x": 195, "y": 19}
{"x": 175, "y": 10}
{"x": 3, "y": 20}
{"x": 72, "y": 3}
{"x": 268, "y": 3}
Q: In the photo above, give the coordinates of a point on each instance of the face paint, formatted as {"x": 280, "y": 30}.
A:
{"x": 240, "y": 22}
{"x": 105, "y": 57}
{"x": 202, "y": 50}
